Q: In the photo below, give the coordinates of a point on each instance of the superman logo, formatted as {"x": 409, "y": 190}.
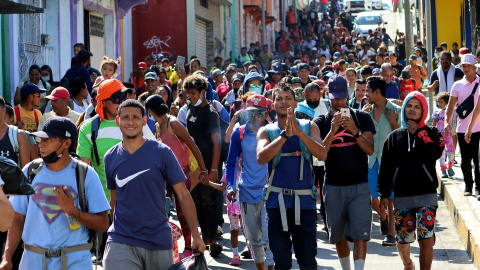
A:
{"x": 46, "y": 200}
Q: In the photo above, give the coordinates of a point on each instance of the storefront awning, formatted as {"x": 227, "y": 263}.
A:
{"x": 10, "y": 7}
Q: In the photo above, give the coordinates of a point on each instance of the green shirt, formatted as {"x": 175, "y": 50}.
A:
{"x": 383, "y": 128}
{"x": 109, "y": 134}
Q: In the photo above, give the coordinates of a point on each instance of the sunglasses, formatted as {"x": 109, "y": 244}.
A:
{"x": 253, "y": 113}
{"x": 256, "y": 86}
{"x": 118, "y": 100}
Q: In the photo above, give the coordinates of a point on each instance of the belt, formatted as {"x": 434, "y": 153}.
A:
{"x": 290, "y": 192}
{"x": 57, "y": 253}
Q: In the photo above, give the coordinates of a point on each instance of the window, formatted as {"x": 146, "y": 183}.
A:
{"x": 204, "y": 3}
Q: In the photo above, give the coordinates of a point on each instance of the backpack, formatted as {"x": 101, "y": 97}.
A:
{"x": 95, "y": 127}
{"x": 12, "y": 136}
{"x": 81, "y": 168}
{"x": 16, "y": 110}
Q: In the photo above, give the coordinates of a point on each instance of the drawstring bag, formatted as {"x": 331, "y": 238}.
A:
{"x": 16, "y": 183}
{"x": 191, "y": 263}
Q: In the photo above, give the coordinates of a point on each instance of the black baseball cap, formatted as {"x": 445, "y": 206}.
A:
{"x": 57, "y": 126}
{"x": 83, "y": 56}
{"x": 303, "y": 66}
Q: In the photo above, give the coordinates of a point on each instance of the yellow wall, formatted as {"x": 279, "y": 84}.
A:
{"x": 448, "y": 22}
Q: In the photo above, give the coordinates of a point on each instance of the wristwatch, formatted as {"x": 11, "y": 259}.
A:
{"x": 284, "y": 134}
{"x": 358, "y": 134}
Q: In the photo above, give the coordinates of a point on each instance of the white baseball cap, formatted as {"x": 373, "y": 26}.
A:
{"x": 468, "y": 59}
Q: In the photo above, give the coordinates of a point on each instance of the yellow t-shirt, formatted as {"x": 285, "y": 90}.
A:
{"x": 28, "y": 118}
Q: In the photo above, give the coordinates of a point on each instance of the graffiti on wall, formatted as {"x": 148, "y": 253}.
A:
{"x": 156, "y": 45}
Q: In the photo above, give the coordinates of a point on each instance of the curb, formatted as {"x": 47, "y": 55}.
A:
{"x": 464, "y": 218}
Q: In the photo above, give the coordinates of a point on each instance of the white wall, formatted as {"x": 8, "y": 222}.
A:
{"x": 127, "y": 61}
{"x": 14, "y": 65}
{"x": 64, "y": 41}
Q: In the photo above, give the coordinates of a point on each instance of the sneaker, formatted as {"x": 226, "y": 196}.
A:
{"x": 235, "y": 260}
{"x": 467, "y": 191}
{"x": 444, "y": 175}
{"x": 451, "y": 173}
{"x": 389, "y": 241}
{"x": 477, "y": 195}
{"x": 246, "y": 254}
{"x": 215, "y": 249}
{"x": 186, "y": 253}
{"x": 219, "y": 231}
{"x": 384, "y": 226}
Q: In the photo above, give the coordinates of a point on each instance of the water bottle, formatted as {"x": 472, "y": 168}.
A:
{"x": 73, "y": 224}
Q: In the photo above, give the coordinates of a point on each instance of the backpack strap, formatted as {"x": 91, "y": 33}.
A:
{"x": 34, "y": 168}
{"x": 80, "y": 175}
{"x": 273, "y": 133}
{"x": 12, "y": 136}
{"x": 242, "y": 130}
{"x": 95, "y": 127}
{"x": 37, "y": 120}
{"x": 16, "y": 110}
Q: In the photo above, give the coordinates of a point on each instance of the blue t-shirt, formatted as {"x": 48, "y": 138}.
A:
{"x": 46, "y": 224}
{"x": 393, "y": 90}
{"x": 139, "y": 179}
{"x": 287, "y": 175}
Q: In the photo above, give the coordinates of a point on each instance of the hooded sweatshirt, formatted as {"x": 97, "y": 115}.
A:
{"x": 408, "y": 160}
{"x": 250, "y": 77}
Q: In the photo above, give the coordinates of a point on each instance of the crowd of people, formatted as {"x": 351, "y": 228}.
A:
{"x": 322, "y": 115}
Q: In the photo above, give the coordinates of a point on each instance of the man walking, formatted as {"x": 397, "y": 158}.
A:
{"x": 26, "y": 116}
{"x": 243, "y": 144}
{"x": 135, "y": 239}
{"x": 442, "y": 79}
{"x": 348, "y": 139}
{"x": 289, "y": 144}
{"x": 461, "y": 90}
{"x": 55, "y": 208}
{"x": 408, "y": 169}
{"x": 386, "y": 118}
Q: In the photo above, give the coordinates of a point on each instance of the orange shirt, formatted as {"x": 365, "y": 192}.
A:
{"x": 417, "y": 72}
{"x": 138, "y": 81}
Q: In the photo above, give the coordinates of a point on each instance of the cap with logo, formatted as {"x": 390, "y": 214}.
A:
{"x": 231, "y": 67}
{"x": 257, "y": 102}
{"x": 59, "y": 92}
{"x": 276, "y": 69}
{"x": 151, "y": 76}
{"x": 337, "y": 87}
{"x": 238, "y": 77}
{"x": 142, "y": 65}
{"x": 159, "y": 57}
{"x": 468, "y": 59}
{"x": 30, "y": 88}
{"x": 57, "y": 126}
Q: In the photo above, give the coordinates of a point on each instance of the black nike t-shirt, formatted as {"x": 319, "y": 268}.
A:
{"x": 346, "y": 163}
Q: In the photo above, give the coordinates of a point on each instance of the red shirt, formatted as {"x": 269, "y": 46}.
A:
{"x": 295, "y": 35}
{"x": 406, "y": 86}
{"x": 284, "y": 45}
{"x": 270, "y": 85}
{"x": 223, "y": 89}
{"x": 291, "y": 17}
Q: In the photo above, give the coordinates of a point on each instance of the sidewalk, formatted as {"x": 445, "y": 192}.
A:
{"x": 464, "y": 210}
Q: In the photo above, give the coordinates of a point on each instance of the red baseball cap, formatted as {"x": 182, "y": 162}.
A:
{"x": 463, "y": 51}
{"x": 257, "y": 102}
{"x": 320, "y": 83}
{"x": 59, "y": 92}
{"x": 142, "y": 65}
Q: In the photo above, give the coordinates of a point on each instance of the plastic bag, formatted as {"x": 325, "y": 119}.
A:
{"x": 16, "y": 183}
{"x": 191, "y": 263}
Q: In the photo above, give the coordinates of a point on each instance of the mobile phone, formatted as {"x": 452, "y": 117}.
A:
{"x": 345, "y": 112}
{"x": 180, "y": 63}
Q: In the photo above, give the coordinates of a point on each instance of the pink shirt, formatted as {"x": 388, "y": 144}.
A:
{"x": 462, "y": 89}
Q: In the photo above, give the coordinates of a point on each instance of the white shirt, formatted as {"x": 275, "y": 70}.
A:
{"x": 80, "y": 109}
{"x": 309, "y": 45}
{"x": 72, "y": 115}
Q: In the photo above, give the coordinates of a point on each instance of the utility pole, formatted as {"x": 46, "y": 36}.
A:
{"x": 408, "y": 29}
{"x": 263, "y": 22}
{"x": 428, "y": 18}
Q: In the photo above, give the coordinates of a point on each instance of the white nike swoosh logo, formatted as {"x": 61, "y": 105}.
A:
{"x": 123, "y": 182}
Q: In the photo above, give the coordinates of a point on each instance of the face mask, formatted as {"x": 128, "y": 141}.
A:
{"x": 257, "y": 90}
{"x": 52, "y": 157}
{"x": 313, "y": 104}
{"x": 46, "y": 79}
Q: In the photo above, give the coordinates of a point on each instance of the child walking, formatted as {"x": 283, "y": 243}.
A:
{"x": 108, "y": 68}
{"x": 234, "y": 215}
{"x": 439, "y": 121}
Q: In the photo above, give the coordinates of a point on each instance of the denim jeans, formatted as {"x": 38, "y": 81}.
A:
{"x": 324, "y": 8}
{"x": 303, "y": 238}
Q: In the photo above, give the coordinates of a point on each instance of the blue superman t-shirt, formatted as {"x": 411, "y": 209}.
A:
{"x": 140, "y": 180}
{"x": 46, "y": 225}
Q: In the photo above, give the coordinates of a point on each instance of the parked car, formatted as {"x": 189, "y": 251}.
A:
{"x": 367, "y": 20}
{"x": 381, "y": 4}
{"x": 358, "y": 5}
